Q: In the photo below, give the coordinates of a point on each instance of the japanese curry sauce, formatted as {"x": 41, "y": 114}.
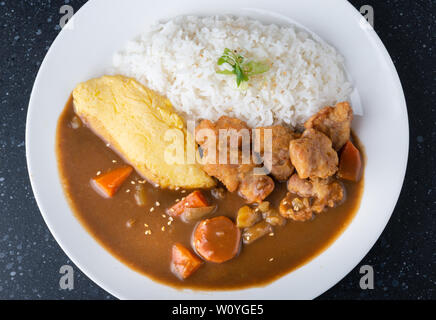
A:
{"x": 81, "y": 154}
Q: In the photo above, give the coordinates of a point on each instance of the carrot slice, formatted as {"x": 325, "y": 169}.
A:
{"x": 217, "y": 240}
{"x": 111, "y": 181}
{"x": 350, "y": 163}
{"x": 194, "y": 200}
{"x": 183, "y": 262}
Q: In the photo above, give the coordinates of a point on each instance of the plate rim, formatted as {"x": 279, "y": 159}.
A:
{"x": 398, "y": 87}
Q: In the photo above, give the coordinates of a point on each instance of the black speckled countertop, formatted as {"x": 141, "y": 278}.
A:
{"x": 403, "y": 258}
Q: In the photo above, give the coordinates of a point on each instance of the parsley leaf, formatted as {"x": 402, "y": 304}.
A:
{"x": 243, "y": 70}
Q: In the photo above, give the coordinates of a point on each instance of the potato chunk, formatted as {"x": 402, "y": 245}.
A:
{"x": 256, "y": 232}
{"x": 247, "y": 217}
{"x": 273, "y": 217}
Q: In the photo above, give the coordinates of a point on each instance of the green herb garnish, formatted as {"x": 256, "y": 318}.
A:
{"x": 241, "y": 68}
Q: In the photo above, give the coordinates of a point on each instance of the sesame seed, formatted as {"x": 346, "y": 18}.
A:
{"x": 163, "y": 228}
{"x": 132, "y": 182}
{"x": 98, "y": 173}
{"x": 177, "y": 188}
{"x": 170, "y": 218}
{"x": 128, "y": 190}
{"x": 130, "y": 222}
{"x": 114, "y": 161}
{"x": 271, "y": 234}
{"x": 157, "y": 203}
{"x": 183, "y": 191}
{"x": 108, "y": 145}
{"x": 271, "y": 259}
{"x": 146, "y": 225}
{"x": 151, "y": 209}
{"x": 169, "y": 223}
{"x": 164, "y": 216}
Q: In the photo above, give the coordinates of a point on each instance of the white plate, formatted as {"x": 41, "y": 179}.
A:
{"x": 102, "y": 27}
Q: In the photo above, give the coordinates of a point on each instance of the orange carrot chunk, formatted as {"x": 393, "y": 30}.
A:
{"x": 111, "y": 181}
{"x": 194, "y": 200}
{"x": 217, "y": 240}
{"x": 184, "y": 262}
{"x": 350, "y": 163}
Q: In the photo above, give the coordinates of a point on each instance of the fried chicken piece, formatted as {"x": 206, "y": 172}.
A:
{"x": 226, "y": 173}
{"x": 313, "y": 156}
{"x": 296, "y": 208}
{"x": 200, "y": 136}
{"x": 255, "y": 187}
{"x": 207, "y": 134}
{"x": 334, "y": 122}
{"x": 235, "y": 175}
{"x": 239, "y": 126}
{"x": 327, "y": 194}
{"x": 302, "y": 187}
{"x": 276, "y": 157}
{"x": 323, "y": 192}
{"x": 224, "y": 123}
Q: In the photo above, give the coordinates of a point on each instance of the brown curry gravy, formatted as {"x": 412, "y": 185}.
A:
{"x": 81, "y": 154}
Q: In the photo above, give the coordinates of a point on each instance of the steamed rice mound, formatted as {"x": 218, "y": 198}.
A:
{"x": 178, "y": 59}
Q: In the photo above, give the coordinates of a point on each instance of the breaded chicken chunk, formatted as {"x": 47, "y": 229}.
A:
{"x": 327, "y": 194}
{"x": 313, "y": 156}
{"x": 276, "y": 157}
{"x": 235, "y": 175}
{"x": 302, "y": 187}
{"x": 334, "y": 122}
{"x": 307, "y": 197}
{"x": 296, "y": 208}
{"x": 254, "y": 187}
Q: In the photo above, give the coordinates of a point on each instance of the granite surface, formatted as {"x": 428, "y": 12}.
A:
{"x": 403, "y": 258}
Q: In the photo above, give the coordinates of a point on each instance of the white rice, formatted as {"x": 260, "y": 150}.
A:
{"x": 179, "y": 59}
